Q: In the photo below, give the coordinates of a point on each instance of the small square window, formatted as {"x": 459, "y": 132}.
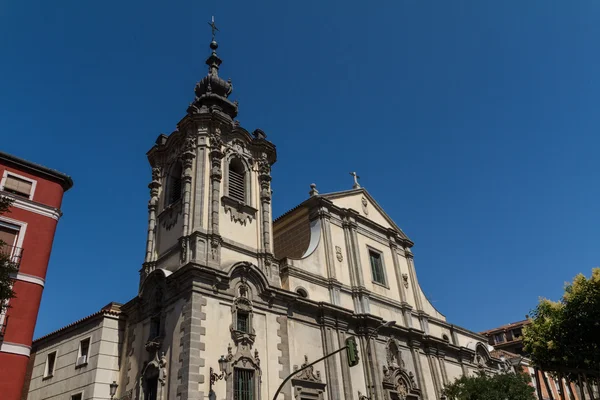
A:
{"x": 499, "y": 338}
{"x": 50, "y": 363}
{"x": 517, "y": 333}
{"x": 18, "y": 186}
{"x": 243, "y": 320}
{"x": 77, "y": 396}
{"x": 376, "y": 267}
{"x": 83, "y": 353}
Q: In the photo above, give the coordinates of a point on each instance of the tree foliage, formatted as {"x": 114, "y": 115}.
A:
{"x": 513, "y": 386}
{"x": 564, "y": 336}
{"x": 7, "y": 267}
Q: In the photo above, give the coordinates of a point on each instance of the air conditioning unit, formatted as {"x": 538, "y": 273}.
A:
{"x": 81, "y": 361}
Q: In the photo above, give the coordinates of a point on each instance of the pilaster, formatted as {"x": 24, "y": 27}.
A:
{"x": 200, "y": 185}
{"x": 441, "y": 355}
{"x": 464, "y": 355}
{"x": 329, "y": 346}
{"x": 433, "y": 367}
{"x": 414, "y": 350}
{"x": 350, "y": 233}
{"x": 413, "y": 279}
{"x": 398, "y": 272}
{"x": 216, "y": 174}
{"x": 284, "y": 358}
{"x": 346, "y": 377}
{"x": 192, "y": 346}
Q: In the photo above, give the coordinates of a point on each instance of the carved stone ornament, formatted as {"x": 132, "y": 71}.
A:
{"x": 243, "y": 339}
{"x": 397, "y": 381}
{"x": 338, "y": 253}
{"x": 405, "y": 280}
{"x": 264, "y": 167}
{"x": 238, "y": 211}
{"x": 365, "y": 203}
{"x": 308, "y": 374}
{"x": 308, "y": 384}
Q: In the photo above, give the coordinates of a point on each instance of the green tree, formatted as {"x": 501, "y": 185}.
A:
{"x": 512, "y": 386}
{"x": 564, "y": 336}
{"x": 7, "y": 267}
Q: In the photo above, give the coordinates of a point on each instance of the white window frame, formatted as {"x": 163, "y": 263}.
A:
{"x": 7, "y": 173}
{"x": 385, "y": 284}
{"x": 46, "y": 374}
{"x": 79, "y": 355}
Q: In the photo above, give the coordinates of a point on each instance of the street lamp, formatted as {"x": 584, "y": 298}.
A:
{"x": 382, "y": 325}
{"x": 215, "y": 377}
{"x": 113, "y": 389}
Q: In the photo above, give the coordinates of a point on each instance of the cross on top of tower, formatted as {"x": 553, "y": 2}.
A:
{"x": 356, "y": 178}
{"x": 213, "y": 27}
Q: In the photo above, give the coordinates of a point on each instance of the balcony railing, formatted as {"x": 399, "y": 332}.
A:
{"x": 14, "y": 253}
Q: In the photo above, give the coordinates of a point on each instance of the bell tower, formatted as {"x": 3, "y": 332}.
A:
{"x": 210, "y": 194}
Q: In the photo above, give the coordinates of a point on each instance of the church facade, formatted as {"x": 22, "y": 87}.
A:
{"x": 231, "y": 302}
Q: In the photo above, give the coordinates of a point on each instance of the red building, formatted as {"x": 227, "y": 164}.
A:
{"x": 28, "y": 231}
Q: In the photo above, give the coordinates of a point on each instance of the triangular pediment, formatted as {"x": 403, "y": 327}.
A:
{"x": 363, "y": 203}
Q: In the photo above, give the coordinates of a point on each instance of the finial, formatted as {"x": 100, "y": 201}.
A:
{"x": 313, "y": 190}
{"x": 356, "y": 178}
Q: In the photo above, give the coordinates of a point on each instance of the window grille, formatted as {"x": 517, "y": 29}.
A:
{"x": 243, "y": 384}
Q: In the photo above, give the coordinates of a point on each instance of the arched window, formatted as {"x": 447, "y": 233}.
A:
{"x": 237, "y": 180}
{"x": 174, "y": 184}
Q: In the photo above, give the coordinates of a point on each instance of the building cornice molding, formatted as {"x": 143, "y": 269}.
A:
{"x": 29, "y": 278}
{"x": 34, "y": 207}
{"x": 15, "y": 348}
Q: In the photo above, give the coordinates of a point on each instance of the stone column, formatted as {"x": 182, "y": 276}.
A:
{"x": 414, "y": 350}
{"x": 154, "y": 187}
{"x": 216, "y": 155}
{"x": 264, "y": 179}
{"x": 198, "y": 218}
{"x": 187, "y": 159}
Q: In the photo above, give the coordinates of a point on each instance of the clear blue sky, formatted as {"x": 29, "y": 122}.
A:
{"x": 473, "y": 123}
